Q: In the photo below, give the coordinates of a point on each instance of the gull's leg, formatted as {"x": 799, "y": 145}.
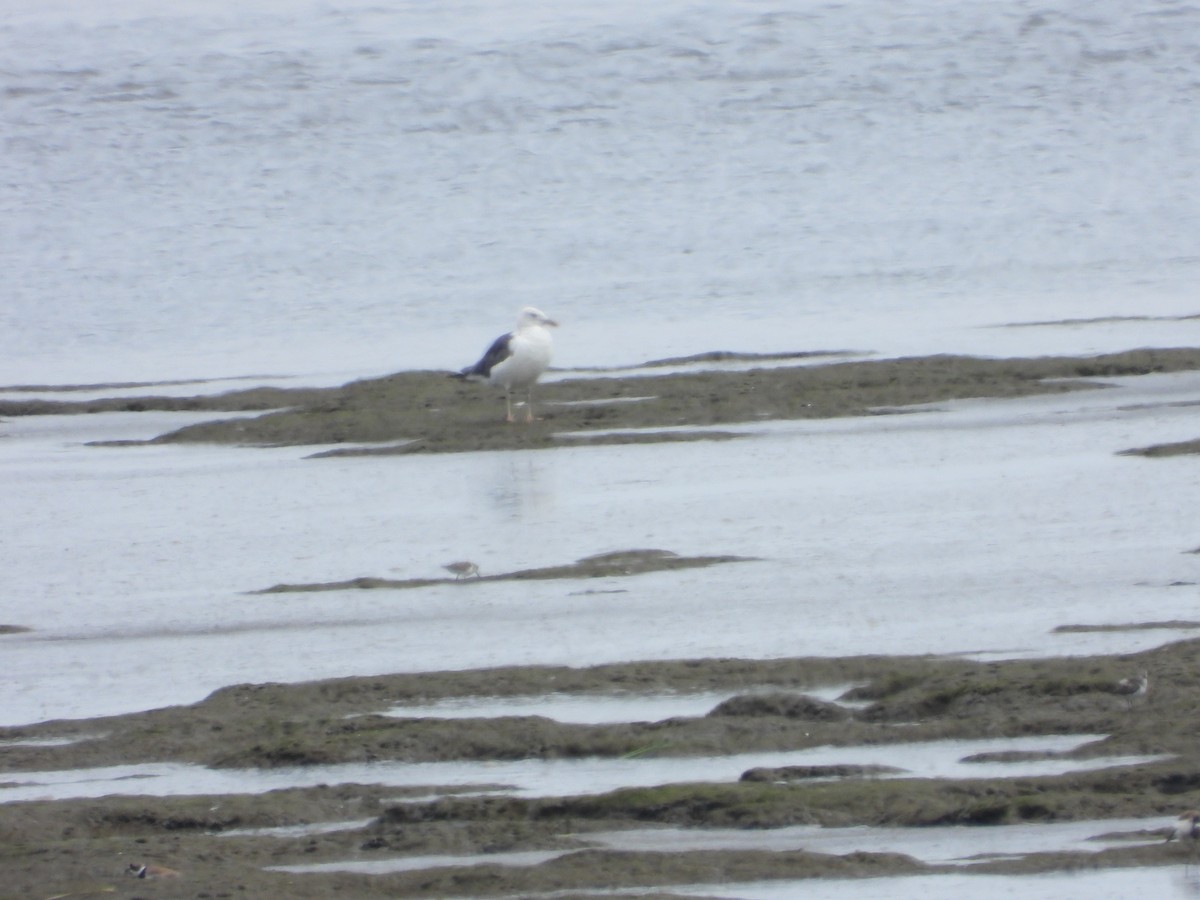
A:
{"x": 529, "y": 405}
{"x": 508, "y": 404}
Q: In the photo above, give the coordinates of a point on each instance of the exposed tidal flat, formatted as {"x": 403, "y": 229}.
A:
{"x": 359, "y": 786}
{"x": 273, "y": 830}
{"x": 427, "y": 412}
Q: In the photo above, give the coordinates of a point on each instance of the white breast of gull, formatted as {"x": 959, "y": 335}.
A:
{"x": 1186, "y": 826}
{"x": 515, "y": 361}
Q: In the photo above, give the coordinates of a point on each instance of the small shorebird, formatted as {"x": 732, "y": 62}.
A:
{"x": 1132, "y": 688}
{"x": 1186, "y": 826}
{"x": 150, "y": 871}
{"x": 462, "y": 569}
{"x": 516, "y": 360}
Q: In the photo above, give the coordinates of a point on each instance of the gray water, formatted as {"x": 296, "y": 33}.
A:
{"x": 217, "y": 189}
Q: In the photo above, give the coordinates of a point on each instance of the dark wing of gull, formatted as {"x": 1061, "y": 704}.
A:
{"x": 500, "y": 350}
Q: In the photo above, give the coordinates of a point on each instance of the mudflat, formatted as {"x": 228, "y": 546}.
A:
{"x": 430, "y": 412}
{"x": 214, "y": 845}
{"x": 81, "y": 847}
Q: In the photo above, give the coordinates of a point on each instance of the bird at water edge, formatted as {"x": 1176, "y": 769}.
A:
{"x": 1186, "y": 826}
{"x": 1133, "y": 688}
{"x": 515, "y": 361}
{"x": 462, "y": 569}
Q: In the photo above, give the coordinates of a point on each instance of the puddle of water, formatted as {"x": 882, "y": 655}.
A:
{"x": 958, "y": 845}
{"x": 954, "y": 845}
{"x": 596, "y": 709}
{"x": 692, "y": 366}
{"x": 1101, "y": 884}
{"x": 197, "y": 388}
{"x": 604, "y": 401}
{"x": 295, "y": 831}
{"x": 556, "y": 777}
{"x": 415, "y": 863}
{"x": 49, "y": 741}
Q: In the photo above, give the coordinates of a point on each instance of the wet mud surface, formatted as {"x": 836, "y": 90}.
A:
{"x": 82, "y": 845}
{"x": 1178, "y": 448}
{"x": 429, "y": 412}
{"x": 604, "y": 565}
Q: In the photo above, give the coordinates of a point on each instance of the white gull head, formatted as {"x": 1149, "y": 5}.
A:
{"x": 531, "y": 316}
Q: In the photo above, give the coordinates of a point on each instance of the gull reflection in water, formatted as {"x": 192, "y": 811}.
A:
{"x": 521, "y": 486}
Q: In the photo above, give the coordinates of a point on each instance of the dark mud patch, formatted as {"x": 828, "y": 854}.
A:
{"x": 1098, "y": 320}
{"x": 429, "y": 412}
{"x": 805, "y": 773}
{"x": 1155, "y": 451}
{"x": 1010, "y": 756}
{"x": 788, "y": 706}
{"x": 605, "y": 565}
{"x": 13, "y": 629}
{"x": 55, "y": 847}
{"x": 1172, "y": 625}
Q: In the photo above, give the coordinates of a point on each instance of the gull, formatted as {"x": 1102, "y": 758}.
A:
{"x": 1132, "y": 688}
{"x": 462, "y": 569}
{"x": 515, "y": 361}
{"x": 1186, "y": 826}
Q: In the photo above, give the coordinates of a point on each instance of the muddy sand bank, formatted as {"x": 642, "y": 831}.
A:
{"x": 429, "y": 412}
{"x": 217, "y": 843}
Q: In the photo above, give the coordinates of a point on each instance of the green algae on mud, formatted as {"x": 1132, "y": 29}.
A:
{"x": 428, "y": 412}
{"x": 54, "y": 847}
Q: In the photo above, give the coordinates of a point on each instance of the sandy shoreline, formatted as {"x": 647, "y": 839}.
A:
{"x": 79, "y": 846}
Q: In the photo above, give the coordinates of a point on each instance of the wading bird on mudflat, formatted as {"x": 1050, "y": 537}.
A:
{"x": 1134, "y": 689}
{"x": 1186, "y": 826}
{"x": 515, "y": 361}
{"x": 462, "y": 569}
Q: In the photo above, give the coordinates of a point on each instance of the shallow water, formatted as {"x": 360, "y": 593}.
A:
{"x": 1108, "y": 884}
{"x": 365, "y": 188}
{"x": 294, "y": 831}
{"x": 953, "y": 845}
{"x": 620, "y": 166}
{"x": 415, "y": 863}
{"x": 319, "y": 194}
{"x": 557, "y": 777}
{"x": 596, "y": 709}
{"x": 996, "y": 520}
{"x": 957, "y": 845}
